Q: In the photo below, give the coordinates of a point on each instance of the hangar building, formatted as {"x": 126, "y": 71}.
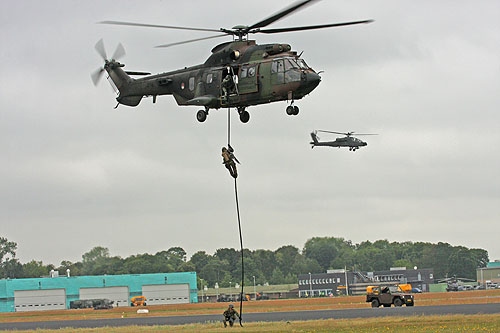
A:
{"x": 56, "y": 293}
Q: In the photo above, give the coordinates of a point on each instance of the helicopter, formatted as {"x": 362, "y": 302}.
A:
{"x": 238, "y": 74}
{"x": 347, "y": 141}
{"x": 455, "y": 283}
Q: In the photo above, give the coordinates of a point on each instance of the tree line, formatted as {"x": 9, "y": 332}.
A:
{"x": 274, "y": 267}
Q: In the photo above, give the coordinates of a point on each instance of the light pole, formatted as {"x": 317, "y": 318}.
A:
{"x": 346, "y": 283}
{"x": 230, "y": 291}
{"x": 254, "y": 291}
{"x": 310, "y": 286}
{"x": 201, "y": 287}
{"x": 216, "y": 291}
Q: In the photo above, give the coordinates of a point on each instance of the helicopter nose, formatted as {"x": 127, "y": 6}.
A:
{"x": 313, "y": 80}
{"x": 309, "y": 82}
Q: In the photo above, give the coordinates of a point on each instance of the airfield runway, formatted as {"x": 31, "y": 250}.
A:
{"x": 489, "y": 308}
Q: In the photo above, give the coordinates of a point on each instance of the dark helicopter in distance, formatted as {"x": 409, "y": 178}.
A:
{"x": 237, "y": 74}
{"x": 347, "y": 141}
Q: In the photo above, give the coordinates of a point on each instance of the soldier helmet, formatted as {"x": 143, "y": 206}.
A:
{"x": 224, "y": 149}
{"x": 231, "y": 306}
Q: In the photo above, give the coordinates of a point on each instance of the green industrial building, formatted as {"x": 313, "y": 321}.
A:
{"x": 56, "y": 293}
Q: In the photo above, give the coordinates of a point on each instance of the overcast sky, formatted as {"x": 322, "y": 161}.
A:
{"x": 75, "y": 173}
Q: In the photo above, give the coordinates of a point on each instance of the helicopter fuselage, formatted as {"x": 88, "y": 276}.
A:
{"x": 347, "y": 141}
{"x": 259, "y": 73}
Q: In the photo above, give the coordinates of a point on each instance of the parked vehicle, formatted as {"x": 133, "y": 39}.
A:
{"x": 405, "y": 288}
{"x": 378, "y": 296}
{"x": 102, "y": 304}
{"x": 96, "y": 304}
{"x": 262, "y": 296}
{"x": 138, "y": 301}
{"x": 81, "y": 304}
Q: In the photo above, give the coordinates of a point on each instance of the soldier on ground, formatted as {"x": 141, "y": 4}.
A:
{"x": 230, "y": 315}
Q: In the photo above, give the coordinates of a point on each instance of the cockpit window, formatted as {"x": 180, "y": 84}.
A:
{"x": 290, "y": 64}
{"x": 302, "y": 64}
{"x": 277, "y": 66}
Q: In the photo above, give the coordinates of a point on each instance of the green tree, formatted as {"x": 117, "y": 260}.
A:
{"x": 277, "y": 277}
{"x": 265, "y": 260}
{"x": 94, "y": 261}
{"x": 35, "y": 269}
{"x": 74, "y": 268}
{"x": 186, "y": 267}
{"x": 199, "y": 260}
{"x": 463, "y": 263}
{"x": 215, "y": 271}
{"x": 402, "y": 263}
{"x": 174, "y": 256}
{"x": 12, "y": 269}
{"x": 322, "y": 249}
{"x": 7, "y": 249}
{"x": 304, "y": 265}
{"x": 285, "y": 258}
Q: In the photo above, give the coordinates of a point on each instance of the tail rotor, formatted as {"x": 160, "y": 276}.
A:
{"x": 101, "y": 50}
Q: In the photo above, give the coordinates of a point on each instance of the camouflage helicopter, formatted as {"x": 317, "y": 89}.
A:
{"x": 347, "y": 141}
{"x": 238, "y": 74}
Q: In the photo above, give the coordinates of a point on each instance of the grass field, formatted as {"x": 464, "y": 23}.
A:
{"x": 453, "y": 323}
{"x": 467, "y": 297}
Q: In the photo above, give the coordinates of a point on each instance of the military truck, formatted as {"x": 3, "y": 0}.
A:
{"x": 377, "y": 296}
{"x": 96, "y": 304}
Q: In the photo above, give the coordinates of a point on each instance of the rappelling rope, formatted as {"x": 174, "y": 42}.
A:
{"x": 228, "y": 127}
{"x": 239, "y": 219}
{"x": 241, "y": 247}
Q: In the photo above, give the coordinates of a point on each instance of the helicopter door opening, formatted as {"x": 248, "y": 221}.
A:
{"x": 229, "y": 85}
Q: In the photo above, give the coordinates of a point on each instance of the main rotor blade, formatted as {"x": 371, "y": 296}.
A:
{"x": 279, "y": 15}
{"x": 119, "y": 52}
{"x": 192, "y": 40}
{"x": 99, "y": 47}
{"x": 310, "y": 27}
{"x": 333, "y": 132}
{"x": 156, "y": 26}
{"x": 366, "y": 134}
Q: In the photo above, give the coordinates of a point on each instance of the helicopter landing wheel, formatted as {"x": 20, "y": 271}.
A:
{"x": 295, "y": 110}
{"x": 201, "y": 115}
{"x": 244, "y": 117}
{"x": 290, "y": 110}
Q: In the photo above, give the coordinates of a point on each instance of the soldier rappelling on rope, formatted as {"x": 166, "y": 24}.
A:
{"x": 228, "y": 159}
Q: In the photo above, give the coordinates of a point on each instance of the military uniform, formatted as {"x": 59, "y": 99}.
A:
{"x": 227, "y": 85}
{"x": 228, "y": 161}
{"x": 230, "y": 315}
